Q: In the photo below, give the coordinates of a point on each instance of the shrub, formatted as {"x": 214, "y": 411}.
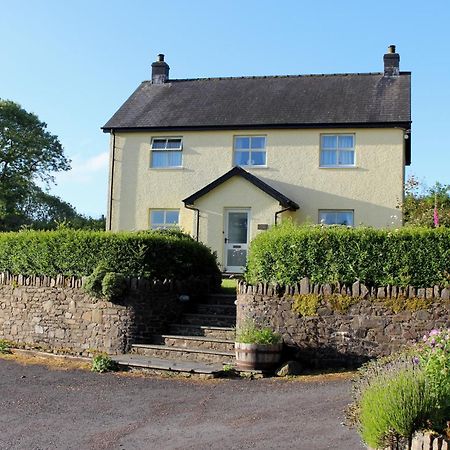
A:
{"x": 113, "y": 285}
{"x": 405, "y": 392}
{"x": 306, "y": 304}
{"x": 409, "y": 256}
{"x": 249, "y": 333}
{"x": 103, "y": 363}
{"x": 393, "y": 407}
{"x": 434, "y": 359}
{"x": 5, "y": 347}
{"x": 152, "y": 254}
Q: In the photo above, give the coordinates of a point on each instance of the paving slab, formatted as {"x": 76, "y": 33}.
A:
{"x": 145, "y": 362}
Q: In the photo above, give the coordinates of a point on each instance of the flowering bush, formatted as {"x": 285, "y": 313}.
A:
{"x": 434, "y": 359}
{"x": 403, "y": 393}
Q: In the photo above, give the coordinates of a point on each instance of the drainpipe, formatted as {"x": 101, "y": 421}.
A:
{"x": 198, "y": 219}
{"x": 279, "y": 212}
{"x": 112, "y": 180}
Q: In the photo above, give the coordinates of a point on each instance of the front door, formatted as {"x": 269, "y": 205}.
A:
{"x": 236, "y": 239}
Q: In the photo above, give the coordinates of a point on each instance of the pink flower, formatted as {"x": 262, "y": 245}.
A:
{"x": 434, "y": 332}
{"x": 435, "y": 217}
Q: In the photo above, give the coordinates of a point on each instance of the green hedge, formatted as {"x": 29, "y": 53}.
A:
{"x": 409, "y": 256}
{"x": 153, "y": 254}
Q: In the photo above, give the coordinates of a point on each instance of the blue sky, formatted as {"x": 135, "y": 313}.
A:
{"x": 74, "y": 63}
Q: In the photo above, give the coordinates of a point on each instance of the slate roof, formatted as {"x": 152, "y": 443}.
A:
{"x": 284, "y": 201}
{"x": 369, "y": 99}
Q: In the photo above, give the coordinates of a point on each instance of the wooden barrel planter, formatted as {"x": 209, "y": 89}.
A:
{"x": 257, "y": 356}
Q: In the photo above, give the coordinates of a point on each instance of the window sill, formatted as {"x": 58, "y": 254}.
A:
{"x": 253, "y": 167}
{"x": 338, "y": 167}
{"x": 167, "y": 168}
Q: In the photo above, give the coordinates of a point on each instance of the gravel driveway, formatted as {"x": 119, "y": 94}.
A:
{"x": 42, "y": 408}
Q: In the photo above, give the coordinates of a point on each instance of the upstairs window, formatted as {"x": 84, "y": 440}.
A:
{"x": 164, "y": 218}
{"x": 250, "y": 151}
{"x": 336, "y": 217}
{"x": 166, "y": 152}
{"x": 337, "y": 150}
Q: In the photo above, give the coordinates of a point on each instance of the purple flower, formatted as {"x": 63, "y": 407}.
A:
{"x": 434, "y": 332}
{"x": 415, "y": 360}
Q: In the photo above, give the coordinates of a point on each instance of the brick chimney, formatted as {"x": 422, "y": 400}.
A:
{"x": 391, "y": 62}
{"x": 160, "y": 71}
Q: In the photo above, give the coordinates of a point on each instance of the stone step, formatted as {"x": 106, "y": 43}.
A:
{"x": 183, "y": 354}
{"x": 227, "y": 333}
{"x": 220, "y": 299}
{"x": 216, "y": 320}
{"x": 227, "y": 310}
{"x": 160, "y": 365}
{"x": 201, "y": 342}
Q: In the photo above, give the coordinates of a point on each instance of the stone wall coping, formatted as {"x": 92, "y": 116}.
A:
{"x": 63, "y": 281}
{"x": 357, "y": 290}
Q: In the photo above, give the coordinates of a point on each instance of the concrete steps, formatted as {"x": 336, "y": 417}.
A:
{"x": 200, "y": 342}
{"x": 223, "y": 310}
{"x": 186, "y": 329}
{"x": 203, "y": 340}
{"x": 217, "y": 320}
{"x": 160, "y": 366}
{"x": 183, "y": 353}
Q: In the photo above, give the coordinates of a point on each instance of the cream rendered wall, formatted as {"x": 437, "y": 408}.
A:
{"x": 373, "y": 188}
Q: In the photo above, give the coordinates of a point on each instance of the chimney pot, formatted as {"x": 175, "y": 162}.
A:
{"x": 391, "y": 62}
{"x": 160, "y": 70}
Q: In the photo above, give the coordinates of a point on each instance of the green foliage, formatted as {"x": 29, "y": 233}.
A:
{"x": 94, "y": 282}
{"x": 306, "y": 304}
{"x": 402, "y": 303}
{"x": 5, "y": 346}
{"x": 150, "y": 254}
{"x": 434, "y": 358}
{"x": 394, "y": 406}
{"x": 249, "y": 333}
{"x": 103, "y": 363}
{"x": 28, "y": 152}
{"x": 341, "y": 302}
{"x": 113, "y": 285}
{"x": 408, "y": 256}
{"x": 419, "y": 203}
{"x": 405, "y": 392}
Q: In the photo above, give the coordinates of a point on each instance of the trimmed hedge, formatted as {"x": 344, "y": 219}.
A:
{"x": 418, "y": 257}
{"x": 152, "y": 254}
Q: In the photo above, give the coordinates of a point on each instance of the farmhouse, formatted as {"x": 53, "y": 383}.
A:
{"x": 227, "y": 158}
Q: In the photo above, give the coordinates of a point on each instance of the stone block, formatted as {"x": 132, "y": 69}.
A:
{"x": 304, "y": 285}
{"x": 364, "y": 291}
{"x": 356, "y": 289}
{"x": 445, "y": 294}
{"x": 38, "y": 329}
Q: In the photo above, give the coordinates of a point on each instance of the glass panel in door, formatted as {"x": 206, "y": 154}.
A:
{"x": 236, "y": 240}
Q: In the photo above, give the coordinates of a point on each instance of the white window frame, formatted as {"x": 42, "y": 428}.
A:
{"x": 164, "y": 225}
{"x": 235, "y": 150}
{"x": 338, "y": 150}
{"x": 337, "y": 211}
{"x": 166, "y": 150}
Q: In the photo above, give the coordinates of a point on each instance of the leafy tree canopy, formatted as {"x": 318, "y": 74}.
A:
{"x": 420, "y": 202}
{"x": 29, "y": 154}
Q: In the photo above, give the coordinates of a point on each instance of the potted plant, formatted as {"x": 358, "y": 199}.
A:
{"x": 257, "y": 348}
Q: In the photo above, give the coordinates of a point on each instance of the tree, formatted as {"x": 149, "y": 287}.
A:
{"x": 28, "y": 154}
{"x": 43, "y": 211}
{"x": 420, "y": 203}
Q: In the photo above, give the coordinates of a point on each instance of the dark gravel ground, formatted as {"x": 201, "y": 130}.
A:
{"x": 43, "y": 408}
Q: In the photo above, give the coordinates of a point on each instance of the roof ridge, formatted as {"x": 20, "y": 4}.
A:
{"x": 258, "y": 77}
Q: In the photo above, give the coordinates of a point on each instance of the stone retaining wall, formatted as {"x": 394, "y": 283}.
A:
{"x": 58, "y": 315}
{"x": 421, "y": 441}
{"x": 368, "y": 328}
